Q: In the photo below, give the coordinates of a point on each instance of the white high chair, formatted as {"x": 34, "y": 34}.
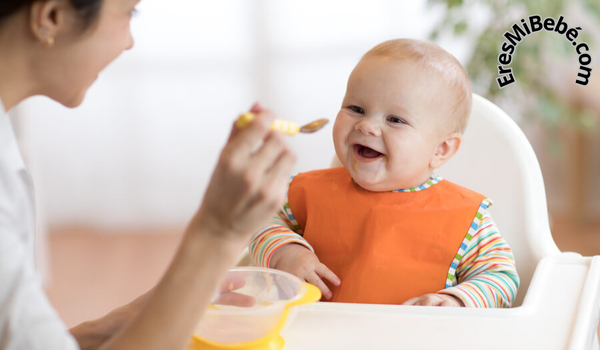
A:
{"x": 558, "y": 302}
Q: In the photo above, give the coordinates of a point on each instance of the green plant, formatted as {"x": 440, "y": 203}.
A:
{"x": 538, "y": 98}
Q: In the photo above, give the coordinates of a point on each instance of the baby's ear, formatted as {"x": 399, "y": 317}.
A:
{"x": 445, "y": 150}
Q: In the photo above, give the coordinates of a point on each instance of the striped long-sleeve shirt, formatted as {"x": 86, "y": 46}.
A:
{"x": 485, "y": 275}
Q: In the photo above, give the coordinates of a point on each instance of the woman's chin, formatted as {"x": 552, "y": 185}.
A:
{"x": 75, "y": 101}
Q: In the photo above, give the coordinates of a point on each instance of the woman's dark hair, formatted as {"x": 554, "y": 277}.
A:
{"x": 88, "y": 10}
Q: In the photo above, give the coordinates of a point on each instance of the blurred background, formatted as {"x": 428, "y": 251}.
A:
{"x": 118, "y": 178}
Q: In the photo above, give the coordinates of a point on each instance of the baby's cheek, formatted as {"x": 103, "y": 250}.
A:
{"x": 399, "y": 165}
{"x": 338, "y": 134}
{"x": 340, "y": 149}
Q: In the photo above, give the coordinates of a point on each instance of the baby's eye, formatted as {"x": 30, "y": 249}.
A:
{"x": 393, "y": 119}
{"x": 356, "y": 109}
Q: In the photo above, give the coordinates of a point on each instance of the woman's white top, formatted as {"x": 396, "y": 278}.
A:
{"x": 27, "y": 319}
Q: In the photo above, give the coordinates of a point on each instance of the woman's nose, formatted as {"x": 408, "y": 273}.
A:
{"x": 130, "y": 41}
{"x": 368, "y": 127}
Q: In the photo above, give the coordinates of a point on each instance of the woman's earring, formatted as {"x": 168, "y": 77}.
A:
{"x": 48, "y": 39}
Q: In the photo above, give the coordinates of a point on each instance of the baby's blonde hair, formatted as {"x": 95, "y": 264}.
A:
{"x": 439, "y": 60}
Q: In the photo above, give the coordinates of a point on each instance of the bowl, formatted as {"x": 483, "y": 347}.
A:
{"x": 250, "y": 309}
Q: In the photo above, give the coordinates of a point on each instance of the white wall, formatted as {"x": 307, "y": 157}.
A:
{"x": 140, "y": 150}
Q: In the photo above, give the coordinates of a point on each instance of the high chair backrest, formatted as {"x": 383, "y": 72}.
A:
{"x": 497, "y": 160}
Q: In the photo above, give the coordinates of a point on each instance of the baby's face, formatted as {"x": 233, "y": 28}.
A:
{"x": 390, "y": 124}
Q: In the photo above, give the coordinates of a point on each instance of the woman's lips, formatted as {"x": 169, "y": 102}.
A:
{"x": 366, "y": 154}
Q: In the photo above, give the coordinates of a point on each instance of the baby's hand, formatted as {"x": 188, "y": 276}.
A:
{"x": 303, "y": 263}
{"x": 434, "y": 299}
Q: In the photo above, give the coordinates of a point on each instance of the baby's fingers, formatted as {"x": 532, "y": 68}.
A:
{"x": 412, "y": 301}
{"x": 316, "y": 280}
{"x": 431, "y": 300}
{"x": 448, "y": 302}
{"x": 425, "y": 300}
{"x": 325, "y": 272}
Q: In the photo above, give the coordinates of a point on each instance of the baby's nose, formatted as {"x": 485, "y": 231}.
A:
{"x": 368, "y": 128}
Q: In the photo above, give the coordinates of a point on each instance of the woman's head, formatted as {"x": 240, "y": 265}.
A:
{"x": 60, "y": 46}
{"x": 88, "y": 10}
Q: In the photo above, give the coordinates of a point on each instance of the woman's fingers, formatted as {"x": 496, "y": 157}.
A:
{"x": 235, "y": 299}
{"x": 279, "y": 172}
{"x": 233, "y": 281}
{"x": 271, "y": 192}
{"x": 246, "y": 140}
{"x": 249, "y": 181}
{"x": 242, "y": 156}
{"x": 270, "y": 152}
{"x": 256, "y": 108}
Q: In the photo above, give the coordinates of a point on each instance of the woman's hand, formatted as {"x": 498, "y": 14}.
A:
{"x": 227, "y": 294}
{"x": 246, "y": 189}
{"x": 249, "y": 181}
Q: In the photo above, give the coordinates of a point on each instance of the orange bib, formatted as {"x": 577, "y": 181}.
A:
{"x": 386, "y": 247}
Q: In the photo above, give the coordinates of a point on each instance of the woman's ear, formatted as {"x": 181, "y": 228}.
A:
{"x": 445, "y": 150}
{"x": 46, "y": 19}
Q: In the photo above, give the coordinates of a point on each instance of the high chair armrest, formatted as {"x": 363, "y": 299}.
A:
{"x": 560, "y": 311}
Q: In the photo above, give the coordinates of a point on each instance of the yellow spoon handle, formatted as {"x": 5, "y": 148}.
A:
{"x": 284, "y": 126}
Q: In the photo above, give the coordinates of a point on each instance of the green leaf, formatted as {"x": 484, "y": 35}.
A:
{"x": 433, "y": 2}
{"x": 592, "y": 7}
{"x": 528, "y": 64}
{"x": 584, "y": 37}
{"x": 587, "y": 120}
{"x": 460, "y": 27}
{"x": 454, "y": 3}
{"x": 549, "y": 112}
{"x": 555, "y": 147}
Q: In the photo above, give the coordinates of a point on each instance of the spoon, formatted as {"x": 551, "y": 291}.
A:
{"x": 285, "y": 126}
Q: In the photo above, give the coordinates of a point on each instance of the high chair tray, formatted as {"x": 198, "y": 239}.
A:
{"x": 560, "y": 311}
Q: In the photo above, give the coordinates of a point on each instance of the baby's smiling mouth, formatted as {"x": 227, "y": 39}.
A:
{"x": 366, "y": 153}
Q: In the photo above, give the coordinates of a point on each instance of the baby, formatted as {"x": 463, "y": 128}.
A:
{"x": 383, "y": 228}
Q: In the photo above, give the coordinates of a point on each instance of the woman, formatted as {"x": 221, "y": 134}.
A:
{"x": 57, "y": 48}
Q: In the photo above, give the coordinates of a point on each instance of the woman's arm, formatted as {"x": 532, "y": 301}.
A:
{"x": 172, "y": 312}
{"x": 92, "y": 334}
{"x": 247, "y": 187}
